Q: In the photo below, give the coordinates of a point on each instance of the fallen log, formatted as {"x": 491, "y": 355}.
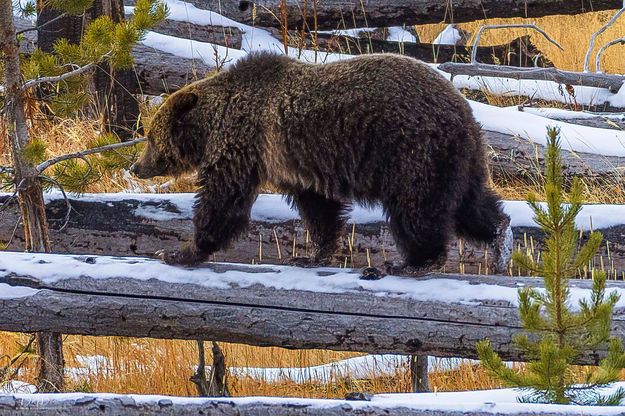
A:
{"x": 159, "y": 72}
{"x": 519, "y": 52}
{"x": 141, "y": 224}
{"x": 332, "y": 14}
{"x": 598, "y": 80}
{"x": 88, "y": 404}
{"x": 441, "y": 314}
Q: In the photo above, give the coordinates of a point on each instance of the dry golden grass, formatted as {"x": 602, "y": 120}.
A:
{"x": 152, "y": 366}
{"x": 571, "y": 32}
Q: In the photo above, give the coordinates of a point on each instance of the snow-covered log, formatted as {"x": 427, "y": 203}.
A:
{"x": 442, "y": 315}
{"x": 597, "y": 80}
{"x": 477, "y": 403}
{"x": 332, "y": 14}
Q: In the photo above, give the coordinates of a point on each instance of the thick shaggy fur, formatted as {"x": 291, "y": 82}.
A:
{"x": 376, "y": 128}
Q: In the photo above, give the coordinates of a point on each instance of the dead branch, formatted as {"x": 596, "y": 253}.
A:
{"x": 619, "y": 41}
{"x": 478, "y": 36}
{"x": 44, "y": 165}
{"x": 594, "y": 36}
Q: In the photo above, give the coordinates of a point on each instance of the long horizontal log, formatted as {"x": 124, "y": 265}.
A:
{"x": 335, "y": 14}
{"x": 380, "y": 405}
{"x": 519, "y": 52}
{"x": 441, "y": 315}
{"x": 598, "y": 80}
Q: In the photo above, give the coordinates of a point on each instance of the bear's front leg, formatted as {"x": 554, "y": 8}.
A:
{"x": 221, "y": 211}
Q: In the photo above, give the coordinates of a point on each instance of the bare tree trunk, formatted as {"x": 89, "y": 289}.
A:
{"x": 29, "y": 190}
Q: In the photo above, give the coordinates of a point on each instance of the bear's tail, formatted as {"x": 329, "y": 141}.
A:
{"x": 480, "y": 215}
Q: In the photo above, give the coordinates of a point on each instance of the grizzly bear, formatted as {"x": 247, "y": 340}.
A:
{"x": 373, "y": 129}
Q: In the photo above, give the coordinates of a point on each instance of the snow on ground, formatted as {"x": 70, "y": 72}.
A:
{"x": 449, "y": 36}
{"x": 562, "y": 114}
{"x": 13, "y": 292}
{"x": 274, "y": 209}
{"x": 16, "y": 387}
{"x": 362, "y": 367}
{"x": 502, "y": 401}
{"x": 400, "y": 34}
{"x": 254, "y": 39}
{"x": 606, "y": 142}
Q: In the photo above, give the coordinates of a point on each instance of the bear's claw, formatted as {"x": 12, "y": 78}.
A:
{"x": 184, "y": 257}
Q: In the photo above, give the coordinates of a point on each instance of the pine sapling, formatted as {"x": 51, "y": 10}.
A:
{"x": 556, "y": 334}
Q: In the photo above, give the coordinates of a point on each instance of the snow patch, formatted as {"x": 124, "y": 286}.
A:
{"x": 13, "y": 292}
{"x": 618, "y": 100}
{"x": 449, "y": 36}
{"x": 509, "y": 120}
{"x": 17, "y": 386}
{"x": 400, "y": 34}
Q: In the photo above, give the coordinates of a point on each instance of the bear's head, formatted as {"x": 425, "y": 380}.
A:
{"x": 175, "y": 141}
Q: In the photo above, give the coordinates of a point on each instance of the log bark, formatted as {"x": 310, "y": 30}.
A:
{"x": 333, "y": 14}
{"x": 519, "y": 52}
{"x": 598, "y": 80}
{"x": 114, "y": 405}
{"x": 375, "y": 318}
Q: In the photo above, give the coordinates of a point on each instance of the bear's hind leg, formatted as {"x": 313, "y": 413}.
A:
{"x": 421, "y": 234}
{"x": 324, "y": 218}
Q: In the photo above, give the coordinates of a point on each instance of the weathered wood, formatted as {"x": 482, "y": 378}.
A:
{"x": 159, "y": 72}
{"x": 394, "y": 315}
{"x": 598, "y": 80}
{"x": 384, "y": 405}
{"x": 519, "y": 52}
{"x": 333, "y": 14}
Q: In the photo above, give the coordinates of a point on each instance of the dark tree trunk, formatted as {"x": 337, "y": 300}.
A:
{"x": 419, "y": 373}
{"x": 29, "y": 190}
{"x": 115, "y": 102}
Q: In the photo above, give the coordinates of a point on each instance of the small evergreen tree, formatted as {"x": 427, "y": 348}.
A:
{"x": 555, "y": 334}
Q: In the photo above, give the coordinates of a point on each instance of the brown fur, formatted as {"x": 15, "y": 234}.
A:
{"x": 376, "y": 128}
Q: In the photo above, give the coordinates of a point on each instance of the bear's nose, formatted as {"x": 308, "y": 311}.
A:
{"x": 133, "y": 169}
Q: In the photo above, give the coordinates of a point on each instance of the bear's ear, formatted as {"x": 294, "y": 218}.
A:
{"x": 183, "y": 102}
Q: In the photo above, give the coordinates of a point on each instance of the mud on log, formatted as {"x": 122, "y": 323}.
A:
{"x": 272, "y": 306}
